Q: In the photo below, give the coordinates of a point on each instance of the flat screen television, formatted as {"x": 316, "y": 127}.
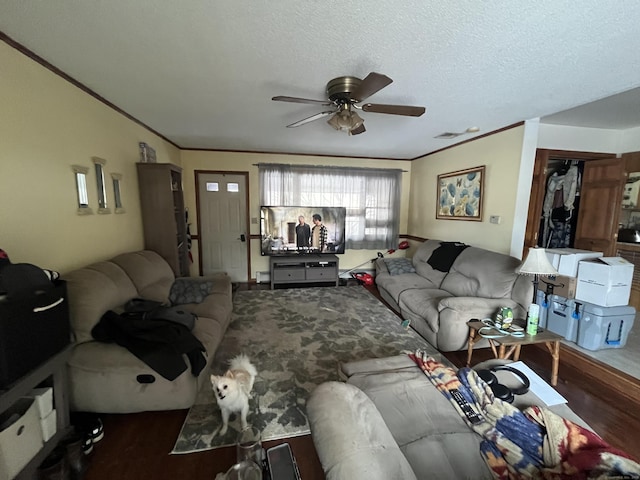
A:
{"x": 283, "y": 234}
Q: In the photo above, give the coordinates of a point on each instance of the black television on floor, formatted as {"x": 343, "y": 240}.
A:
{"x": 282, "y": 232}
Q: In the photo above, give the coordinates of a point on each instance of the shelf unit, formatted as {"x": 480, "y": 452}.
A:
{"x": 163, "y": 214}
{"x": 304, "y": 269}
{"x": 51, "y": 373}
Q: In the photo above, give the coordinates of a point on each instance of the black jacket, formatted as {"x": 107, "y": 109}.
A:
{"x": 158, "y": 343}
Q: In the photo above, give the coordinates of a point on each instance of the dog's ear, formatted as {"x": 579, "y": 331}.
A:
{"x": 213, "y": 379}
{"x": 229, "y": 374}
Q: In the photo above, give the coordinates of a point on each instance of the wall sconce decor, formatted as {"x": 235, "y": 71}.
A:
{"x": 80, "y": 174}
{"x": 117, "y": 197}
{"x": 102, "y": 191}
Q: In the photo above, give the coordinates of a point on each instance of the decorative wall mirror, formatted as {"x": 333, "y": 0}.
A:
{"x": 102, "y": 191}
{"x": 80, "y": 174}
{"x": 117, "y": 198}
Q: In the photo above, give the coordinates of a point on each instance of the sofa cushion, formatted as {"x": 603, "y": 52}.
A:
{"x": 420, "y": 259}
{"x": 395, "y": 285}
{"x": 423, "y": 303}
{"x": 398, "y": 266}
{"x": 149, "y": 272}
{"x": 481, "y": 273}
{"x": 92, "y": 291}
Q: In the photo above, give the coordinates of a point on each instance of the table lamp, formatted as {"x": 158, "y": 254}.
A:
{"x": 536, "y": 264}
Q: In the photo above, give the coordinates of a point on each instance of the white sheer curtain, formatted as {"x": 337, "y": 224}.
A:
{"x": 371, "y": 197}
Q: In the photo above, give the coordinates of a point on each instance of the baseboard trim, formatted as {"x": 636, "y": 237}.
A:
{"x": 607, "y": 376}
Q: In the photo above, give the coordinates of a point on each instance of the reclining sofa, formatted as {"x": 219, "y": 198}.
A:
{"x": 439, "y": 302}
{"x": 388, "y": 421}
{"x": 109, "y": 378}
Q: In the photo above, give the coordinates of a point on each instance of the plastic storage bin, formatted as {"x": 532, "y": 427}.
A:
{"x": 605, "y": 327}
{"x": 564, "y": 316}
{"x": 542, "y": 299}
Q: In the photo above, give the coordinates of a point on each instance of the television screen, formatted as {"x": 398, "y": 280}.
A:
{"x": 301, "y": 230}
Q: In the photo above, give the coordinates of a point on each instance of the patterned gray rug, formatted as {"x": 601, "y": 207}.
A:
{"x": 296, "y": 338}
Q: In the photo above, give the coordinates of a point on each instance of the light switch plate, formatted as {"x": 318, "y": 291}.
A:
{"x": 495, "y": 219}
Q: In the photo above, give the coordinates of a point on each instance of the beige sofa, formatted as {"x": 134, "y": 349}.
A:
{"x": 388, "y": 421}
{"x": 108, "y": 378}
{"x": 438, "y": 304}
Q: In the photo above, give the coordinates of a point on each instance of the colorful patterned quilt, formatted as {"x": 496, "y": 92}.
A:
{"x": 531, "y": 444}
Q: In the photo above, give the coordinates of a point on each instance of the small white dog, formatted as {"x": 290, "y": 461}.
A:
{"x": 233, "y": 390}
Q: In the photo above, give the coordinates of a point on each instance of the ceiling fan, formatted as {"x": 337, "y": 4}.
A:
{"x": 344, "y": 94}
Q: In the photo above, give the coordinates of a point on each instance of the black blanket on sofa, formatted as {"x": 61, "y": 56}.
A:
{"x": 443, "y": 257}
{"x": 158, "y": 343}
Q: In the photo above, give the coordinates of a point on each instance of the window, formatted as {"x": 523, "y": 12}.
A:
{"x": 371, "y": 196}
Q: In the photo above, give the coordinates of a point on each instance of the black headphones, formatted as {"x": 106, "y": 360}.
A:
{"x": 502, "y": 391}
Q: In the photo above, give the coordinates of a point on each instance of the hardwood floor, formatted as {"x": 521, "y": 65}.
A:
{"x": 137, "y": 446}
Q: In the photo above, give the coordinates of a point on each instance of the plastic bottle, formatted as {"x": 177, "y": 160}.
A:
{"x": 532, "y": 319}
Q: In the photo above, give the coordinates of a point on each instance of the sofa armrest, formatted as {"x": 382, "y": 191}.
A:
{"x": 381, "y": 266}
{"x": 350, "y": 436}
{"x": 455, "y": 312}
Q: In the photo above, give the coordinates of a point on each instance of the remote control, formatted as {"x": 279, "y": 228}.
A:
{"x": 474, "y": 418}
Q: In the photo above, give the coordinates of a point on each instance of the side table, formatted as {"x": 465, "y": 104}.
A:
{"x": 550, "y": 339}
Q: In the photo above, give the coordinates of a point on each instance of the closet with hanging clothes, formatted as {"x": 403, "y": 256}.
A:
{"x": 561, "y": 203}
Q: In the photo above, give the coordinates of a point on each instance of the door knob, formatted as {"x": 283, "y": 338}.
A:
{"x": 243, "y": 238}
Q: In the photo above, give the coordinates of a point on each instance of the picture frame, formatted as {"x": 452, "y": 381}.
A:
{"x": 459, "y": 195}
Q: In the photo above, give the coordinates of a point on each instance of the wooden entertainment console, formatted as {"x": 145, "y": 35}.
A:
{"x": 304, "y": 269}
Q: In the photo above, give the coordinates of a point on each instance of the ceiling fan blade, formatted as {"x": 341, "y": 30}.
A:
{"x": 373, "y": 83}
{"x": 312, "y": 118}
{"x": 358, "y": 130}
{"x": 408, "y": 110}
{"x": 301, "y": 100}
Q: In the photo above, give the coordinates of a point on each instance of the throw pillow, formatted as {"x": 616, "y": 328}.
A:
{"x": 398, "y": 266}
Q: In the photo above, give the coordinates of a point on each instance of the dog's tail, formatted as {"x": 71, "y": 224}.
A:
{"x": 242, "y": 362}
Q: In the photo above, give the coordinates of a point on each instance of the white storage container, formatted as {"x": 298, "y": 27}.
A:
{"x": 605, "y": 327}
{"x": 20, "y": 437}
{"x": 49, "y": 426}
{"x": 44, "y": 400}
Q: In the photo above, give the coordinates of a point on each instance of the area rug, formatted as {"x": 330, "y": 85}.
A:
{"x": 297, "y": 339}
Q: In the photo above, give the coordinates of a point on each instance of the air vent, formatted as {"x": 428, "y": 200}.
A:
{"x": 448, "y": 135}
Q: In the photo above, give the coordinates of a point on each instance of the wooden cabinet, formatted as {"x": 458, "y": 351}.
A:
{"x": 163, "y": 214}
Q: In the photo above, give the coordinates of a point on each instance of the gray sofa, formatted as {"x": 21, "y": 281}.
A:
{"x": 389, "y": 422}
{"x": 438, "y": 304}
{"x": 108, "y": 378}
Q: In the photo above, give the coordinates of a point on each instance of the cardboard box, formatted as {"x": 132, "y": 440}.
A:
{"x": 563, "y": 286}
{"x": 605, "y": 281}
{"x": 566, "y": 260}
{"x": 20, "y": 437}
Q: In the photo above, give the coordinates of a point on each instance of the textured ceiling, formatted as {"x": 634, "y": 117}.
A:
{"x": 202, "y": 72}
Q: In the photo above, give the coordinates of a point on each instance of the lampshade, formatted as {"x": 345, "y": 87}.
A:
{"x": 345, "y": 119}
{"x": 536, "y": 263}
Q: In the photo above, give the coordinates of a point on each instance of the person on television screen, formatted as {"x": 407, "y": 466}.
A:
{"x": 303, "y": 234}
{"x": 319, "y": 234}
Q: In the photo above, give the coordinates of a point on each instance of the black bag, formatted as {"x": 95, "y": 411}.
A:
{"x": 153, "y": 310}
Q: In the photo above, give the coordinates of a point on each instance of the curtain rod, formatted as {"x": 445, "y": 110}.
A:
{"x": 330, "y": 166}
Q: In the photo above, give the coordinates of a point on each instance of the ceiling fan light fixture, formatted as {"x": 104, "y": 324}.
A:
{"x": 345, "y": 119}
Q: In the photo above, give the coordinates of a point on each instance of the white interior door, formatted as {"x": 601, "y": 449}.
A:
{"x": 223, "y": 224}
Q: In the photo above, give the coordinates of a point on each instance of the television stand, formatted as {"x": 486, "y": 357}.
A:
{"x": 305, "y": 268}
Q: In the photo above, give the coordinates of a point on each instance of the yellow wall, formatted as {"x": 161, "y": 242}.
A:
{"x": 501, "y": 154}
{"x": 245, "y": 162}
{"x": 47, "y": 125}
